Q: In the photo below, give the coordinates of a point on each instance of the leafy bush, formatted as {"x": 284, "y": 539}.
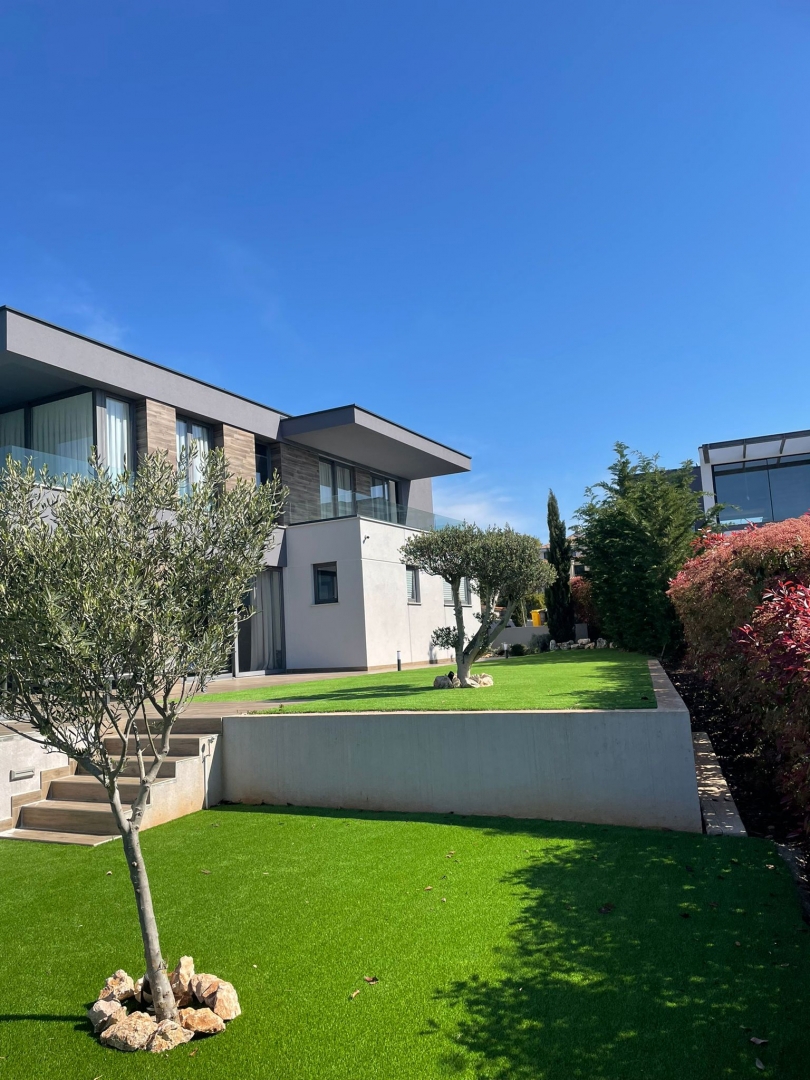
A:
{"x": 776, "y": 644}
{"x": 517, "y": 649}
{"x": 539, "y": 643}
{"x": 744, "y": 601}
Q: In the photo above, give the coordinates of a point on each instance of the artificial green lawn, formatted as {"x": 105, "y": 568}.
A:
{"x": 505, "y": 968}
{"x": 559, "y": 680}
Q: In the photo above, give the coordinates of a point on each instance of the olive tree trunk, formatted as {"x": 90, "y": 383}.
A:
{"x": 162, "y": 994}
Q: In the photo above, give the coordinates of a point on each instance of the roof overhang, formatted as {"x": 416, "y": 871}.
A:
{"x": 763, "y": 446}
{"x": 359, "y": 436}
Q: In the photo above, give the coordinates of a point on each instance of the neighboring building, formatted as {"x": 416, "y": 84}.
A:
{"x": 759, "y": 480}
{"x": 335, "y": 594}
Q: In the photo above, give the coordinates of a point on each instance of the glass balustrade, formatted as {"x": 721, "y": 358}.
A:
{"x": 57, "y": 466}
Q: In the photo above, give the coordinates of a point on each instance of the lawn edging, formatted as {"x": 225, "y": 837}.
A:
{"x": 614, "y": 766}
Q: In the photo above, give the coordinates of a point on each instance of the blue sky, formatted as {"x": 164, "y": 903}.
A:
{"x": 526, "y": 229}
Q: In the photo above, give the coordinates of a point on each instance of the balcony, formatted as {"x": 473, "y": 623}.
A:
{"x": 58, "y": 467}
{"x": 302, "y": 512}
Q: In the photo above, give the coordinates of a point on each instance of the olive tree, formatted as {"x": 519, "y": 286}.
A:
{"x": 501, "y": 565}
{"x": 118, "y": 595}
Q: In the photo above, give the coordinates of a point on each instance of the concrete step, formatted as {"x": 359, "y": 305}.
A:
{"x": 82, "y": 788}
{"x": 49, "y": 837}
{"x": 51, "y": 815}
{"x": 167, "y": 769}
{"x": 190, "y": 725}
{"x": 181, "y": 745}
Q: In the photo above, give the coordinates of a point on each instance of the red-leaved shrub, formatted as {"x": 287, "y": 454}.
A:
{"x": 740, "y": 580}
{"x": 582, "y": 600}
{"x": 776, "y": 645}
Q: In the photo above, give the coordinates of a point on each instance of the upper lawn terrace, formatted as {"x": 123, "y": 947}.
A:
{"x": 551, "y": 681}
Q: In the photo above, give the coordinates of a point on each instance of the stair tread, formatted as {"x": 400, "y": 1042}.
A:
{"x": 69, "y": 805}
{"x": 55, "y": 837}
{"x": 86, "y": 778}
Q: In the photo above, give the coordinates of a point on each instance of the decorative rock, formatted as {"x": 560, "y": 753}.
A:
{"x": 132, "y": 1033}
{"x": 201, "y": 984}
{"x": 601, "y": 643}
{"x": 552, "y": 645}
{"x": 167, "y": 1035}
{"x": 143, "y": 991}
{"x": 180, "y": 980}
{"x": 480, "y": 680}
{"x": 104, "y": 1013}
{"x": 201, "y": 1021}
{"x": 582, "y": 641}
{"x": 222, "y": 1000}
{"x": 450, "y": 681}
{"x": 119, "y": 987}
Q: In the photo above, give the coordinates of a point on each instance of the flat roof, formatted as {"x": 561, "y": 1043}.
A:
{"x": 760, "y": 446}
{"x": 38, "y": 359}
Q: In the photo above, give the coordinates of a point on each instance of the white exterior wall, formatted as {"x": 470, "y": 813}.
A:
{"x": 372, "y": 618}
{"x": 391, "y": 623}
{"x": 17, "y": 755}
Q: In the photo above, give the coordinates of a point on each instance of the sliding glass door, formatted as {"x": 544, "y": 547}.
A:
{"x": 260, "y": 639}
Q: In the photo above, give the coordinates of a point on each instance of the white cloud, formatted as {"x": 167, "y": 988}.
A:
{"x": 480, "y": 500}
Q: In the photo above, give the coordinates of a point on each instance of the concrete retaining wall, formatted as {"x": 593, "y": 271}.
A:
{"x": 619, "y": 767}
{"x": 19, "y": 755}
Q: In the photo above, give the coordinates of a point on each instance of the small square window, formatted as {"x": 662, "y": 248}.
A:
{"x": 326, "y": 588}
{"x": 412, "y": 584}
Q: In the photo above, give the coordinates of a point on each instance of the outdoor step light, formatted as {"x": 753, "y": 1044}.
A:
{"x": 21, "y": 774}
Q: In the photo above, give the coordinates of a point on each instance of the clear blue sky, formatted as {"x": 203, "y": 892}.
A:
{"x": 527, "y": 229}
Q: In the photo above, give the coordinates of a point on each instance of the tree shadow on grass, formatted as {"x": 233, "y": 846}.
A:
{"x": 636, "y": 990}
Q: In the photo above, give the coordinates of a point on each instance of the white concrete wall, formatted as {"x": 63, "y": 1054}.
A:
{"x": 391, "y": 623}
{"x": 322, "y": 636}
{"x": 617, "y": 767}
{"x": 372, "y": 618}
{"x": 16, "y": 755}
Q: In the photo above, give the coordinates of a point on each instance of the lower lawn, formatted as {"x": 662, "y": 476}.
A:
{"x": 559, "y": 680}
{"x": 506, "y": 949}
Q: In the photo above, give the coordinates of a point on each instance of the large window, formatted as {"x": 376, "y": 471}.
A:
{"x": 383, "y": 499}
{"x": 118, "y": 451}
{"x": 190, "y": 433}
{"x": 761, "y": 490}
{"x": 12, "y": 428}
{"x": 326, "y": 584}
{"x": 63, "y": 429}
{"x": 336, "y": 483}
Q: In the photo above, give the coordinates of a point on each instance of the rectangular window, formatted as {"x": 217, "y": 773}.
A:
{"x": 63, "y": 430}
{"x": 790, "y": 488}
{"x": 326, "y": 589}
{"x": 119, "y": 436}
{"x": 463, "y": 592}
{"x": 191, "y": 434}
{"x": 412, "y": 584}
{"x": 262, "y": 465}
{"x": 327, "y": 500}
{"x": 345, "y": 490}
{"x": 383, "y": 498}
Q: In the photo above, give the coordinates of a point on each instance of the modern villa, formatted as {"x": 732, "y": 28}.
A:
{"x": 758, "y": 480}
{"x": 335, "y": 593}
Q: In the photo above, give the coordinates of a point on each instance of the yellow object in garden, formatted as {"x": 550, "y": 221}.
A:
{"x": 536, "y": 617}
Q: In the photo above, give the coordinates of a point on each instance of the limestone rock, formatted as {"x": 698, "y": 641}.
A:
{"x": 180, "y": 980}
{"x": 132, "y": 1033}
{"x": 601, "y": 643}
{"x": 222, "y": 1000}
{"x": 201, "y": 984}
{"x": 583, "y": 641}
{"x": 119, "y": 987}
{"x": 167, "y": 1035}
{"x": 552, "y": 645}
{"x": 201, "y": 1021}
{"x": 143, "y": 991}
{"x": 104, "y": 1013}
{"x": 485, "y": 680}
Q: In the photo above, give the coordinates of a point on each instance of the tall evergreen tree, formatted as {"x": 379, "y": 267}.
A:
{"x": 558, "y": 595}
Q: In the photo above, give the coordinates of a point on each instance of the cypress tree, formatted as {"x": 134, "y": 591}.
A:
{"x": 558, "y": 595}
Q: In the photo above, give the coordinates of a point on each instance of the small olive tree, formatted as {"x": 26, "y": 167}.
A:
{"x": 119, "y": 593}
{"x": 500, "y": 564}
